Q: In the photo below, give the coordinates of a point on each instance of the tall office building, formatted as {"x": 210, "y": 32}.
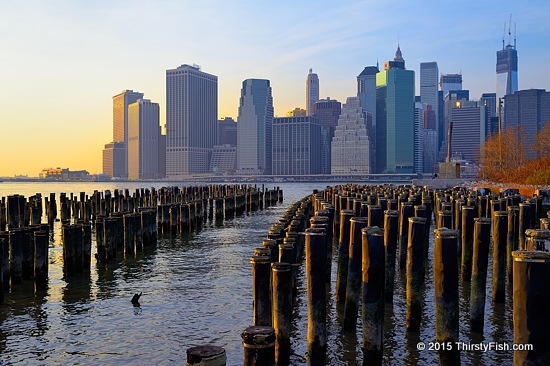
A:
{"x": 449, "y": 82}
{"x": 395, "y": 117}
{"x": 312, "y": 91}
{"x": 114, "y": 157}
{"x": 429, "y": 150}
{"x": 120, "y": 123}
{"x": 296, "y": 146}
{"x": 429, "y": 88}
{"x": 143, "y": 140}
{"x": 191, "y": 120}
{"x": 327, "y": 111}
{"x": 254, "y": 128}
{"x": 366, "y": 90}
{"x": 507, "y": 66}
{"x": 227, "y": 132}
{"x": 528, "y": 109}
{"x": 469, "y": 129}
{"x": 489, "y": 100}
{"x": 351, "y": 144}
{"x": 419, "y": 109}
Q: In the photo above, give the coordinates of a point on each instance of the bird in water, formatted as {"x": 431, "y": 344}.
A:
{"x": 135, "y": 299}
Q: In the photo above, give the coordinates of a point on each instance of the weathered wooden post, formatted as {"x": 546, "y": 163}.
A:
{"x": 343, "y": 255}
{"x": 467, "y": 241}
{"x": 86, "y": 245}
{"x": 406, "y": 211}
{"x": 353, "y": 285}
{"x": 524, "y": 222}
{"x": 372, "y": 304}
{"x": 531, "y": 304}
{"x": 446, "y": 295}
{"x": 261, "y": 290}
{"x": 282, "y": 310}
{"x": 415, "y": 272}
{"x": 259, "y": 346}
{"x": 500, "y": 234}
{"x": 206, "y": 356}
{"x": 537, "y": 239}
{"x": 129, "y": 234}
{"x": 391, "y": 229}
{"x": 512, "y": 239}
{"x": 16, "y": 255}
{"x": 316, "y": 296}
{"x": 40, "y": 260}
{"x": 110, "y": 234}
{"x": 5, "y": 264}
{"x": 482, "y": 241}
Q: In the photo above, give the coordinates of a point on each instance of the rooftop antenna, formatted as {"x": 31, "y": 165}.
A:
{"x": 514, "y": 35}
{"x": 510, "y": 33}
{"x": 310, "y": 70}
{"x": 503, "y": 35}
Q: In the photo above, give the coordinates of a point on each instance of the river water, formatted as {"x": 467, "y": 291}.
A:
{"x": 196, "y": 291}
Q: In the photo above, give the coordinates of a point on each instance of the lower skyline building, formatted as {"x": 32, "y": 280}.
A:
{"x": 143, "y": 140}
{"x": 296, "y": 146}
{"x": 114, "y": 160}
{"x": 351, "y": 144}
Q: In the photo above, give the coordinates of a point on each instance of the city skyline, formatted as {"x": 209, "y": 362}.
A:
{"x": 96, "y": 50}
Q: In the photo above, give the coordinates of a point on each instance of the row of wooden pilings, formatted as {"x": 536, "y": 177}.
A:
{"x": 380, "y": 227}
{"x": 122, "y": 224}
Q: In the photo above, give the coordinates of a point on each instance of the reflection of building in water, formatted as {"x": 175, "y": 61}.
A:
{"x": 64, "y": 174}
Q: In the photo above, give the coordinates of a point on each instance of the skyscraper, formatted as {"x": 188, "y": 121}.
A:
{"x": 296, "y": 146}
{"x": 449, "y": 82}
{"x": 227, "y": 132}
{"x": 312, "y": 91}
{"x": 114, "y": 157}
{"x": 254, "y": 128}
{"x": 143, "y": 140}
{"x": 120, "y": 124}
{"x": 507, "y": 66}
{"x": 351, "y": 145}
{"x": 429, "y": 90}
{"x": 366, "y": 90}
{"x": 191, "y": 119}
{"x": 395, "y": 117}
{"x": 418, "y": 128}
{"x": 528, "y": 109}
{"x": 469, "y": 129}
{"x": 327, "y": 111}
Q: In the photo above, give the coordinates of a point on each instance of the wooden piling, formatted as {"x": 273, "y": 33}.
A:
{"x": 343, "y": 254}
{"x": 500, "y": 235}
{"x": 353, "y": 285}
{"x": 446, "y": 295}
{"x": 372, "y": 304}
{"x": 282, "y": 310}
{"x": 391, "y": 229}
{"x": 482, "y": 240}
{"x": 40, "y": 260}
{"x": 531, "y": 298}
{"x": 467, "y": 242}
{"x": 206, "y": 356}
{"x": 415, "y": 272}
{"x": 261, "y": 290}
{"x": 259, "y": 346}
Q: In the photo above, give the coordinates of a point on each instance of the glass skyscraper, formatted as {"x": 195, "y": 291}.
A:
{"x": 395, "y": 117}
{"x": 254, "y": 128}
{"x": 507, "y": 68}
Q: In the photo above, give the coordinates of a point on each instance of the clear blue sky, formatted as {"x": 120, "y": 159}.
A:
{"x": 62, "y": 61}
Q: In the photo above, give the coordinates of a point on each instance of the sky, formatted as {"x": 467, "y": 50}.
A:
{"x": 62, "y": 61}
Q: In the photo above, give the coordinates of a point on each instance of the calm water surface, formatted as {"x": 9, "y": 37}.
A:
{"x": 196, "y": 290}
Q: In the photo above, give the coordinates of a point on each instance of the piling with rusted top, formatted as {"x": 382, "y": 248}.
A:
{"x": 206, "y": 356}
{"x": 446, "y": 295}
{"x": 259, "y": 346}
{"x": 537, "y": 239}
{"x": 372, "y": 299}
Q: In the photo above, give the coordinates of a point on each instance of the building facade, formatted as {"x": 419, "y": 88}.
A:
{"x": 114, "y": 157}
{"x": 227, "y": 132}
{"x": 395, "y": 117}
{"x": 312, "y": 91}
{"x": 143, "y": 140}
{"x": 530, "y": 110}
{"x": 224, "y": 159}
{"x": 449, "y": 82}
{"x": 429, "y": 87}
{"x": 507, "y": 68}
{"x": 254, "y": 128}
{"x": 469, "y": 130}
{"x": 327, "y": 111}
{"x": 191, "y": 120}
{"x": 351, "y": 144}
{"x": 296, "y": 146}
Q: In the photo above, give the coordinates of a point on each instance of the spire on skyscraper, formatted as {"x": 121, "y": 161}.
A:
{"x": 398, "y": 54}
